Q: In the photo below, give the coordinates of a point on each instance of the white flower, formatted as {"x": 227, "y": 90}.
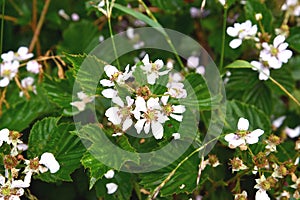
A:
{"x": 27, "y": 84}
{"x": 277, "y": 53}
{"x": 8, "y": 70}
{"x": 293, "y": 6}
{"x": 175, "y": 77}
{"x": 173, "y": 111}
{"x": 152, "y": 69}
{"x": 176, "y": 90}
{"x": 111, "y": 188}
{"x": 8, "y": 57}
{"x": 4, "y": 136}
{"x": 33, "y": 66}
{"x": 80, "y": 105}
{"x": 75, "y": 17}
{"x": 278, "y": 122}
{"x": 151, "y": 117}
{"x": 261, "y": 195}
{"x": 242, "y": 31}
{"x": 115, "y": 75}
{"x": 121, "y": 115}
{"x": 292, "y": 133}
{"x": 262, "y": 68}
{"x": 193, "y": 63}
{"x": 243, "y": 136}
{"x": 284, "y": 195}
{"x": 243, "y": 195}
{"x": 101, "y": 4}
{"x": 109, "y": 174}
{"x": 50, "y": 162}
{"x": 23, "y": 54}
{"x": 176, "y": 136}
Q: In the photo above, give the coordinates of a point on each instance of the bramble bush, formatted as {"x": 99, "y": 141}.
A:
{"x": 122, "y": 99}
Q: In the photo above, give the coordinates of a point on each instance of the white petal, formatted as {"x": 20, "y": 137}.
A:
{"x": 80, "y": 105}
{"x": 243, "y": 124}
{"x": 177, "y": 117}
{"x": 157, "y": 130}
{"x": 159, "y": 63}
{"x": 139, "y": 125}
{"x": 147, "y": 127}
{"x": 152, "y": 103}
{"x": 200, "y": 70}
{"x": 109, "y": 93}
{"x": 233, "y": 32}
{"x": 176, "y": 136}
{"x": 107, "y": 83}
{"x": 140, "y": 104}
{"x": 4, "y": 135}
{"x": 278, "y": 40}
{"x": 151, "y": 78}
{"x": 261, "y": 195}
{"x": 164, "y": 99}
{"x": 19, "y": 184}
{"x": 178, "y": 109}
{"x": 117, "y": 134}
{"x": 111, "y": 188}
{"x": 4, "y": 82}
{"x": 193, "y": 62}
{"x": 110, "y": 70}
{"x": 33, "y": 66}
{"x": 285, "y": 55}
{"x": 277, "y": 122}
{"x": 274, "y": 63}
{"x": 264, "y": 74}
{"x": 109, "y": 174}
{"x": 113, "y": 115}
{"x": 129, "y": 101}
{"x": 50, "y": 162}
{"x": 146, "y": 60}
{"x": 117, "y": 100}
{"x": 231, "y": 136}
{"x": 235, "y": 43}
{"x": 257, "y": 65}
{"x": 292, "y": 133}
{"x": 127, "y": 123}
{"x": 257, "y": 133}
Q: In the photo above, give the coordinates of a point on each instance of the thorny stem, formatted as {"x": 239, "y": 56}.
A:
{"x": 109, "y": 12}
{"x": 149, "y": 13}
{"x": 223, "y": 37}
{"x": 160, "y": 186}
{"x": 39, "y": 25}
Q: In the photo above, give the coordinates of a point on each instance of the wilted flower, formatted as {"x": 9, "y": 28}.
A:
{"x": 272, "y": 142}
{"x": 176, "y": 90}
{"x": 242, "y": 196}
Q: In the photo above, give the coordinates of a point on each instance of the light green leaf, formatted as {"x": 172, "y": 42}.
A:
{"x": 239, "y": 64}
{"x": 49, "y": 136}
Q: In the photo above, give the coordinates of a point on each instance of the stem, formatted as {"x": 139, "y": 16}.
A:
{"x": 39, "y": 25}
{"x": 9, "y": 18}
{"x": 149, "y": 13}
{"x": 159, "y": 187}
{"x": 2, "y": 27}
{"x": 285, "y": 91}
{"x": 109, "y": 7}
{"x": 223, "y": 38}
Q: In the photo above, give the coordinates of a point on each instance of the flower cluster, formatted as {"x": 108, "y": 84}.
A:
{"x": 11, "y": 184}
{"x": 143, "y": 109}
{"x": 11, "y": 62}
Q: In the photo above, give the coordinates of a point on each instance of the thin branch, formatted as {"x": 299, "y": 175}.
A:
{"x": 39, "y": 26}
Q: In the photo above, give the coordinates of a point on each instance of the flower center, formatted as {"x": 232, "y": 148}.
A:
{"x": 154, "y": 67}
{"x": 6, "y": 72}
{"x": 242, "y": 133}
{"x": 168, "y": 109}
{"x": 34, "y": 164}
{"x": 150, "y": 115}
{"x": 265, "y": 185}
{"x": 10, "y": 162}
{"x": 125, "y": 111}
{"x": 5, "y": 191}
{"x": 274, "y": 51}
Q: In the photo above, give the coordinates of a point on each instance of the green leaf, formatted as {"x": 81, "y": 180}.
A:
{"x": 20, "y": 115}
{"x": 78, "y": 41}
{"x": 284, "y": 77}
{"x": 294, "y": 39}
{"x": 49, "y": 136}
{"x": 170, "y": 7}
{"x": 239, "y": 64}
{"x": 198, "y": 93}
{"x": 139, "y": 16}
{"x": 101, "y": 147}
